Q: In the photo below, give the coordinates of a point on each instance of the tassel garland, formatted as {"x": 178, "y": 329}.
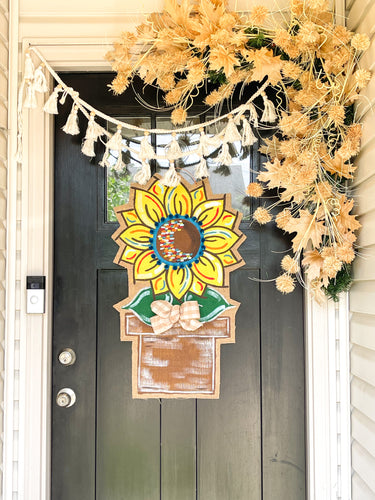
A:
{"x": 71, "y": 126}
{"x": 269, "y": 113}
{"x": 30, "y": 101}
{"x": 29, "y": 67}
{"x": 171, "y": 178}
{"x": 51, "y": 103}
{"x": 115, "y": 144}
{"x": 40, "y": 81}
{"x": 253, "y": 114}
{"x": 144, "y": 174}
{"x": 248, "y": 137}
{"x": 147, "y": 151}
{"x": 201, "y": 169}
{"x": 224, "y": 157}
{"x": 93, "y": 132}
{"x": 231, "y": 132}
{"x": 173, "y": 149}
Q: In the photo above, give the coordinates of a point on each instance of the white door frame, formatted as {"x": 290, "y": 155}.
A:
{"x": 28, "y": 400}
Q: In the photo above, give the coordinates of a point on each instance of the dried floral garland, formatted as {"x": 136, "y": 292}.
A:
{"x": 315, "y": 64}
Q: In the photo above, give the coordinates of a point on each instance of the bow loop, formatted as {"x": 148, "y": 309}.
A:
{"x": 167, "y": 315}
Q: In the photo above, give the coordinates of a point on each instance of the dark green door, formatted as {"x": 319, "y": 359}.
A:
{"x": 249, "y": 444}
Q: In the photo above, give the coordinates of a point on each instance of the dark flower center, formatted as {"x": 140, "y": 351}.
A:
{"x": 178, "y": 240}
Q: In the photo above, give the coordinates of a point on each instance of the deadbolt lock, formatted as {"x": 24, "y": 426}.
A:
{"x": 67, "y": 357}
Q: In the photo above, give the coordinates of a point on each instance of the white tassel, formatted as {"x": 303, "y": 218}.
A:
{"x": 253, "y": 114}
{"x": 248, "y": 137}
{"x": 30, "y": 101}
{"x": 231, "y": 132}
{"x": 93, "y": 132}
{"x": 119, "y": 166}
{"x": 171, "y": 177}
{"x": 71, "y": 126}
{"x": 173, "y": 149}
{"x": 206, "y": 144}
{"x": 269, "y": 113}
{"x": 224, "y": 157}
{"x": 40, "y": 81}
{"x": 144, "y": 174}
{"x": 114, "y": 143}
{"x": 29, "y": 67}
{"x": 201, "y": 169}
{"x": 51, "y": 103}
{"x": 147, "y": 151}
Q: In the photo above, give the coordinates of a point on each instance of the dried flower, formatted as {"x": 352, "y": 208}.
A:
{"x": 342, "y": 35}
{"x": 285, "y": 283}
{"x": 213, "y": 98}
{"x": 337, "y": 114}
{"x": 178, "y": 116}
{"x": 291, "y": 70}
{"x": 173, "y": 96}
{"x": 290, "y": 265}
{"x": 331, "y": 266}
{"x": 262, "y": 215}
{"x": 254, "y": 189}
{"x": 258, "y": 15}
{"x": 120, "y": 83}
{"x": 360, "y": 42}
{"x": 362, "y": 77}
{"x": 282, "y": 218}
{"x": 346, "y": 253}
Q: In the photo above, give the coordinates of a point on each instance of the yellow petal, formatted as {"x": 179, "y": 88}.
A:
{"x": 198, "y": 196}
{"x": 228, "y": 259}
{"x": 130, "y": 255}
{"x": 179, "y": 281}
{"x": 178, "y": 200}
{"x": 137, "y": 236}
{"x": 146, "y": 267}
{"x": 159, "y": 285}
{"x": 219, "y": 239}
{"x": 197, "y": 286}
{"x": 148, "y": 207}
{"x": 158, "y": 190}
{"x": 226, "y": 220}
{"x": 209, "y": 269}
{"x": 130, "y": 217}
{"x": 209, "y": 212}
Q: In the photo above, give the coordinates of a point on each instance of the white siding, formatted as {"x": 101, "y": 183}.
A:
{"x": 361, "y": 18}
{"x": 3, "y": 194}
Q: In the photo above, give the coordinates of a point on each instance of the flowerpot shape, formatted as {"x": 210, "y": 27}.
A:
{"x": 178, "y": 362}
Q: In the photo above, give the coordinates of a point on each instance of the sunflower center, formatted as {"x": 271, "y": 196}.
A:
{"x": 178, "y": 240}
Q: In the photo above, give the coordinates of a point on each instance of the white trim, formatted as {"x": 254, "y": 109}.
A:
{"x": 328, "y": 400}
{"x": 327, "y": 345}
{"x": 11, "y": 261}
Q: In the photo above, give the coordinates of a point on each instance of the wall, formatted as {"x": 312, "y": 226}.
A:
{"x": 361, "y": 17}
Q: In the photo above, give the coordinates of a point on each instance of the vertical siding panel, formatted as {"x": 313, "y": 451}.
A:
{"x": 3, "y": 205}
{"x": 361, "y": 18}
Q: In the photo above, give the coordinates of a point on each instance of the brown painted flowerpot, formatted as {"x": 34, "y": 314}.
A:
{"x": 178, "y": 362}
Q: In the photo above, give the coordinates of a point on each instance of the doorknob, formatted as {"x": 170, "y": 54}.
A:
{"x": 66, "y": 398}
{"x": 67, "y": 357}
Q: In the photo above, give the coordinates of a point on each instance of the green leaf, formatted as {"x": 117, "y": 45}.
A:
{"x": 211, "y": 304}
{"x": 141, "y": 304}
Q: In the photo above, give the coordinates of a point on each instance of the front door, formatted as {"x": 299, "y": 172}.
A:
{"x": 247, "y": 445}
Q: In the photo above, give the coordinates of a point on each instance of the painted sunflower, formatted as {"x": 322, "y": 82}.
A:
{"x": 180, "y": 239}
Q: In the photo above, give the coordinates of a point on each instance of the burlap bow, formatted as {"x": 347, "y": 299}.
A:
{"x": 167, "y": 315}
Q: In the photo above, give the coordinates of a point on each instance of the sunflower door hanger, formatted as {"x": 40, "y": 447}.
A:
{"x": 179, "y": 245}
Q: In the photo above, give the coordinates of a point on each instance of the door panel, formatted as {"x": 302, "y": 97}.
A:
{"x": 247, "y": 445}
{"x": 229, "y": 429}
